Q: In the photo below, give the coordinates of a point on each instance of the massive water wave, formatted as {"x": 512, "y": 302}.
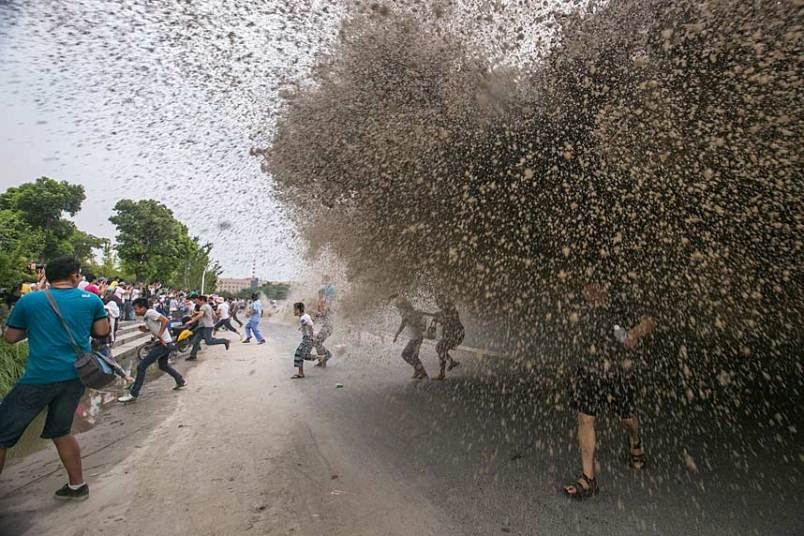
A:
{"x": 655, "y": 147}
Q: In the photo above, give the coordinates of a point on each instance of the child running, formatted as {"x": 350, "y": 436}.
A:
{"x": 323, "y": 353}
{"x": 452, "y": 333}
{"x": 306, "y": 346}
{"x": 414, "y": 321}
{"x": 157, "y": 325}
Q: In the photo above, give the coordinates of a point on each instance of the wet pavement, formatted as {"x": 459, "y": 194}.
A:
{"x": 475, "y": 455}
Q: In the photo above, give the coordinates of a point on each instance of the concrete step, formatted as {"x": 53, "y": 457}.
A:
{"x": 124, "y": 338}
{"x": 128, "y": 327}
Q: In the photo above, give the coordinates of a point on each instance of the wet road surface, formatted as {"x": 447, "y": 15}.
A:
{"x": 246, "y": 450}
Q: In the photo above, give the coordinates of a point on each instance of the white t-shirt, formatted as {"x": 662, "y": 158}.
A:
{"x": 306, "y": 324}
{"x": 112, "y": 309}
{"x": 223, "y": 310}
{"x": 208, "y": 320}
{"x": 153, "y": 323}
{"x": 83, "y": 284}
{"x": 135, "y": 293}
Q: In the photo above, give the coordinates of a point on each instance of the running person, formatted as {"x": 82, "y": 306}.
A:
{"x": 206, "y": 321}
{"x": 253, "y": 324}
{"x": 302, "y": 353}
{"x": 603, "y": 377}
{"x": 452, "y": 333}
{"x": 224, "y": 318}
{"x": 323, "y": 334}
{"x": 414, "y": 321}
{"x": 235, "y": 307}
{"x": 157, "y": 325}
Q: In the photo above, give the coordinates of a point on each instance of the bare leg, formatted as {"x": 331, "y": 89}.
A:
{"x": 636, "y": 454}
{"x": 586, "y": 441}
{"x": 419, "y": 372}
{"x": 585, "y": 485}
{"x": 631, "y": 425}
{"x": 442, "y": 362}
{"x": 70, "y": 454}
{"x": 452, "y": 362}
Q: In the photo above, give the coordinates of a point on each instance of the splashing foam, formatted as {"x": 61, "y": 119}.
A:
{"x": 655, "y": 147}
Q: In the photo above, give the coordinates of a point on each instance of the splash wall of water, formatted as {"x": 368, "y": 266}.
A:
{"x": 654, "y": 148}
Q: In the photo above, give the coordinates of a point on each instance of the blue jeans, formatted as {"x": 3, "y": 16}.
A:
{"x": 159, "y": 353}
{"x": 253, "y": 327}
{"x": 206, "y": 335}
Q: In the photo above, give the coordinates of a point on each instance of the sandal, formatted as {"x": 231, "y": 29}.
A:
{"x": 582, "y": 488}
{"x": 636, "y": 461}
{"x": 297, "y": 377}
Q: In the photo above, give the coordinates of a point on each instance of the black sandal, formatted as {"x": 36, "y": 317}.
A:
{"x": 582, "y": 488}
{"x": 636, "y": 461}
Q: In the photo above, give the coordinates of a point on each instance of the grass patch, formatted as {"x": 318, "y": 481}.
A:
{"x": 12, "y": 363}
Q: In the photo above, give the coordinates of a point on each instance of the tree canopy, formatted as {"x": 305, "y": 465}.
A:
{"x": 41, "y": 205}
{"x": 33, "y": 228}
{"x": 154, "y": 246}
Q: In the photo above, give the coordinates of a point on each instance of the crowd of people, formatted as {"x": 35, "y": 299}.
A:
{"x": 93, "y": 308}
{"x": 67, "y": 313}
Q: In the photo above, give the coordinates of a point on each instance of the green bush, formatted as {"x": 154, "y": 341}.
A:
{"x": 12, "y": 363}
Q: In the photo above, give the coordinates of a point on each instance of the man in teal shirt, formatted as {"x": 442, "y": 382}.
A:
{"x": 50, "y": 379}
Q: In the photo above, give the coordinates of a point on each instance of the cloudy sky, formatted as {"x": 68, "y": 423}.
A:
{"x": 137, "y": 102}
{"x": 163, "y": 99}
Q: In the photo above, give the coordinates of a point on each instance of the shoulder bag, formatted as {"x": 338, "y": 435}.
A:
{"x": 94, "y": 369}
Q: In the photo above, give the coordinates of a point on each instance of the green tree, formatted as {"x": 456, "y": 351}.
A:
{"x": 19, "y": 244}
{"x": 197, "y": 262}
{"x": 41, "y": 205}
{"x": 154, "y": 246}
{"x": 109, "y": 265}
{"x": 272, "y": 291}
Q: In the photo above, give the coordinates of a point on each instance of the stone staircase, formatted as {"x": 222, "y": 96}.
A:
{"x": 129, "y": 340}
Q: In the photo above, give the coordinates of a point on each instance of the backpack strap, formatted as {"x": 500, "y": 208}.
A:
{"x": 55, "y": 307}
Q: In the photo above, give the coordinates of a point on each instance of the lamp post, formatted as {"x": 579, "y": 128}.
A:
{"x": 204, "y": 277}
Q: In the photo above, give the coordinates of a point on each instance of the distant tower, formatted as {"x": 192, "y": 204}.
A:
{"x": 254, "y": 282}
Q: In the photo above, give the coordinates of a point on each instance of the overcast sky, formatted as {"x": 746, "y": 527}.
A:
{"x": 137, "y": 103}
{"x": 163, "y": 99}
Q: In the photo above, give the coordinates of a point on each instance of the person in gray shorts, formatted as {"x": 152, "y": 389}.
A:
{"x": 413, "y": 320}
{"x": 452, "y": 334}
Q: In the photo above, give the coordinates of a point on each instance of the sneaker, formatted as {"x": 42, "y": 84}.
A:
{"x": 248, "y": 339}
{"x": 68, "y": 494}
{"x": 261, "y": 342}
{"x": 226, "y": 344}
{"x": 191, "y": 358}
{"x": 126, "y": 398}
{"x": 180, "y": 386}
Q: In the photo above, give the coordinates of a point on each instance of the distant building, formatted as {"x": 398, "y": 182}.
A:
{"x": 234, "y": 285}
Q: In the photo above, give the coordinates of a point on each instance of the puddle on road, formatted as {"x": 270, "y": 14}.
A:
{"x": 87, "y": 413}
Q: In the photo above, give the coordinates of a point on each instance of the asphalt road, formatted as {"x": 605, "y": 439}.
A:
{"x": 247, "y": 450}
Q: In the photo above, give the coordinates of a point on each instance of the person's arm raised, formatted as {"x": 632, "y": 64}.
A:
{"x": 401, "y": 327}
{"x": 641, "y": 330}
